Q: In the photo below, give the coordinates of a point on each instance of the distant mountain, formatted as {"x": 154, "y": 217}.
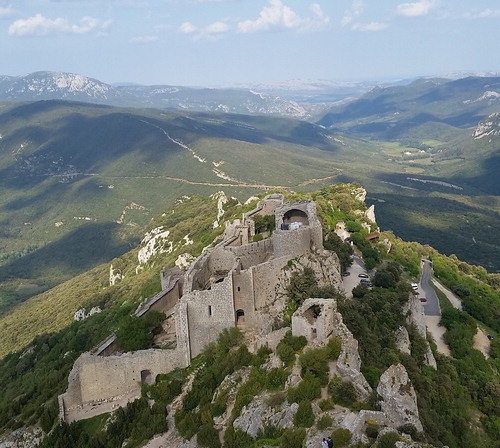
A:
{"x": 424, "y": 107}
{"x": 66, "y": 86}
{"x": 56, "y": 85}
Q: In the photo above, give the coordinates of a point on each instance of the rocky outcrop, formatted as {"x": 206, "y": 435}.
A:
{"x": 22, "y": 438}
{"x": 413, "y": 309}
{"x": 403, "y": 340}
{"x": 349, "y": 362}
{"x": 258, "y": 413}
{"x": 399, "y": 403}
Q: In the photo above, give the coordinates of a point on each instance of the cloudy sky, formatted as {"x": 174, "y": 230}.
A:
{"x": 235, "y": 42}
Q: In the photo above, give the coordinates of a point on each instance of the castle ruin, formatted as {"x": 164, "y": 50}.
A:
{"x": 234, "y": 283}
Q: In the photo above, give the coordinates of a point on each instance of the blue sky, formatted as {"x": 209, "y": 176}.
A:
{"x": 238, "y": 42}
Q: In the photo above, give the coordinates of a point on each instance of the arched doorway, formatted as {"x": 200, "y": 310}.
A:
{"x": 240, "y": 317}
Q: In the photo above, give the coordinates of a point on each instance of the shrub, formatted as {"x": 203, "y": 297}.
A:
{"x": 326, "y": 404}
{"x": 236, "y": 438}
{"x": 276, "y": 399}
{"x": 388, "y": 440}
{"x": 187, "y": 423}
{"x": 325, "y": 421}
{"x": 286, "y": 353}
{"x": 308, "y": 389}
{"x": 372, "y": 430}
{"x": 314, "y": 362}
{"x": 133, "y": 334}
{"x": 360, "y": 290}
{"x": 293, "y": 438}
{"x": 304, "y": 416}
{"x": 343, "y": 392}
{"x": 208, "y": 436}
{"x": 333, "y": 348}
{"x": 276, "y": 378}
{"x": 341, "y": 437}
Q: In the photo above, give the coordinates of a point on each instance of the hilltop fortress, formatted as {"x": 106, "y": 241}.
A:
{"x": 235, "y": 283}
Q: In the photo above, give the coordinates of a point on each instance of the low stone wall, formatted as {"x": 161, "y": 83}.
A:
{"x": 99, "y": 378}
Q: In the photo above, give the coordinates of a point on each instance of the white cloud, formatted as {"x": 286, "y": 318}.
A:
{"x": 40, "y": 25}
{"x": 372, "y": 26}
{"x": 353, "y": 12}
{"x": 415, "y": 9}
{"x": 278, "y": 15}
{"x": 210, "y": 32}
{"x": 144, "y": 39}
{"x": 217, "y": 27}
{"x": 486, "y": 14}
{"x": 187, "y": 28}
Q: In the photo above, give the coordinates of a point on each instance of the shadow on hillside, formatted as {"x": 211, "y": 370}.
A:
{"x": 488, "y": 181}
{"x": 86, "y": 247}
{"x": 86, "y": 144}
{"x": 260, "y": 130}
{"x": 447, "y": 225}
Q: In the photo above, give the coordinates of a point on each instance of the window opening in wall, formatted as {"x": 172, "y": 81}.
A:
{"x": 209, "y": 310}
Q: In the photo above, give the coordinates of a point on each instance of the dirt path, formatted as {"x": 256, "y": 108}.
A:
{"x": 437, "y": 331}
{"x": 482, "y": 343}
{"x": 450, "y": 296}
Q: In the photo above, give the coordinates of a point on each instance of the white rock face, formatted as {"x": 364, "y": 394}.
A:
{"x": 184, "y": 260}
{"x": 114, "y": 275}
{"x": 399, "y": 398}
{"x": 488, "y": 127}
{"x": 370, "y": 214}
{"x": 22, "y": 438}
{"x": 254, "y": 416}
{"x": 79, "y": 315}
{"x": 221, "y": 200}
{"x": 154, "y": 242}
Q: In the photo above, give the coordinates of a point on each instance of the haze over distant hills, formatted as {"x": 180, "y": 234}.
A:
{"x": 68, "y": 86}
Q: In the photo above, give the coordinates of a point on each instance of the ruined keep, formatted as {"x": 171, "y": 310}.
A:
{"x": 234, "y": 283}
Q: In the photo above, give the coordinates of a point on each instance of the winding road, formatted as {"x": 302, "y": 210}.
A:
{"x": 431, "y": 307}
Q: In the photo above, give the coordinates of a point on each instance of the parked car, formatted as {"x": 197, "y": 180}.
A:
{"x": 423, "y": 299}
{"x": 490, "y": 337}
{"x": 363, "y": 275}
{"x": 346, "y": 274}
{"x": 414, "y": 285}
{"x": 366, "y": 282}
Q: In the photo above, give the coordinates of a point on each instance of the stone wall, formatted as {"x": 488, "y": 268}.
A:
{"x": 291, "y": 243}
{"x": 315, "y": 320}
{"x": 208, "y": 313}
{"x": 253, "y": 253}
{"x": 243, "y": 295}
{"x": 96, "y": 378}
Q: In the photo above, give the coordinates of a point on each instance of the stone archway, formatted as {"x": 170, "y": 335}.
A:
{"x": 296, "y": 215}
{"x": 147, "y": 377}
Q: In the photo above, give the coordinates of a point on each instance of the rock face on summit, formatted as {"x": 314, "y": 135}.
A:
{"x": 399, "y": 398}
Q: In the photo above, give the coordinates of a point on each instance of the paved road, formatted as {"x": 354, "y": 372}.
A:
{"x": 431, "y": 307}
